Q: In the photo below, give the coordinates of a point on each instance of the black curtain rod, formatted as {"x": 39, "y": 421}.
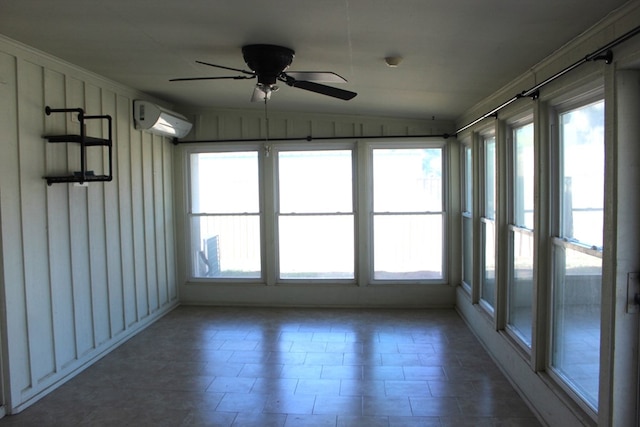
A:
{"x": 310, "y": 138}
{"x": 603, "y": 53}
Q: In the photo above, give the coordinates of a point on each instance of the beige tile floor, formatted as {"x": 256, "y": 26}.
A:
{"x": 205, "y": 366}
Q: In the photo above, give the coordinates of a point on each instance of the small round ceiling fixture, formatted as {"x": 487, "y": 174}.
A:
{"x": 393, "y": 61}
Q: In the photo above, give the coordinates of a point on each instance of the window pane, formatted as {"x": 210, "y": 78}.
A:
{"x": 487, "y": 292}
{"x": 582, "y": 136}
{"x": 523, "y": 175}
{"x": 576, "y": 321}
{"x": 467, "y": 202}
{"x": 407, "y": 247}
{"x": 315, "y": 181}
{"x": 226, "y": 246}
{"x": 225, "y": 182}
{"x": 521, "y": 284}
{"x": 490, "y": 178}
{"x": 467, "y": 250}
{"x": 317, "y": 247}
{"x": 407, "y": 180}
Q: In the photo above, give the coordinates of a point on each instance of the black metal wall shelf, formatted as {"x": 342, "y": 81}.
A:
{"x": 84, "y": 141}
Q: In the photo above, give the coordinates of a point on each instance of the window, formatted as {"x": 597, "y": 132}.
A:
{"x": 577, "y": 268}
{"x": 287, "y": 213}
{"x": 488, "y": 284}
{"x": 520, "y": 279}
{"x": 467, "y": 216}
{"x": 225, "y": 228}
{"x": 408, "y": 217}
{"x": 316, "y": 217}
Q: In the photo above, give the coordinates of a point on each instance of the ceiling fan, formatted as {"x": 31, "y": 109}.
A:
{"x": 268, "y": 64}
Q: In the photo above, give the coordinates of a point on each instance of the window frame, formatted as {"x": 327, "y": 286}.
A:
{"x": 485, "y": 221}
{"x": 467, "y": 211}
{"x": 557, "y": 241}
{"x": 288, "y": 147}
{"x": 440, "y": 144}
{"x": 362, "y": 209}
{"x": 513, "y": 124}
{"x": 226, "y": 148}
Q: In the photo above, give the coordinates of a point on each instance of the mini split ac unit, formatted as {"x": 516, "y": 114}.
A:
{"x": 158, "y": 120}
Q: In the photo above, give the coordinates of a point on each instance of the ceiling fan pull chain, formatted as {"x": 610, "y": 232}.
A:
{"x": 266, "y": 119}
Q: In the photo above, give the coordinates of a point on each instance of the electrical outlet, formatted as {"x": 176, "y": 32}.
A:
{"x": 633, "y": 292}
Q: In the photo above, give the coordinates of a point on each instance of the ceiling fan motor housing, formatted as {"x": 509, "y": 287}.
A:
{"x": 268, "y": 61}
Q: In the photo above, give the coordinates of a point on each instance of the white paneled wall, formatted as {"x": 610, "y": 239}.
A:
{"x": 252, "y": 124}
{"x": 82, "y": 267}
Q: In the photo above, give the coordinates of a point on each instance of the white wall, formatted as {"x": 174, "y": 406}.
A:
{"x": 82, "y": 267}
{"x": 241, "y": 124}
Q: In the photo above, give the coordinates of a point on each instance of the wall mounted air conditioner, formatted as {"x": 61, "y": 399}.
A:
{"x": 158, "y": 120}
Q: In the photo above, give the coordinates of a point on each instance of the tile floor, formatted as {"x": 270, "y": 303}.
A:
{"x": 206, "y": 366}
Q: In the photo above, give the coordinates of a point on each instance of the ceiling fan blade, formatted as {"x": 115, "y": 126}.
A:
{"x": 317, "y": 76}
{"x": 226, "y": 68}
{"x": 212, "y": 78}
{"x": 322, "y": 89}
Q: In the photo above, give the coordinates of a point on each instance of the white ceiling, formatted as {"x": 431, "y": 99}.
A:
{"x": 456, "y": 52}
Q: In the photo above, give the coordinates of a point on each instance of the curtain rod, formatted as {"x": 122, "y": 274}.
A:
{"x": 310, "y": 138}
{"x": 604, "y": 53}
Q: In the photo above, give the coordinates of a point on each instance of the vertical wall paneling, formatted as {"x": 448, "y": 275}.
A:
{"x": 158, "y": 209}
{"x": 277, "y": 128}
{"x": 347, "y": 129}
{"x": 233, "y": 126}
{"x": 149, "y": 221}
{"x": 96, "y": 221}
{"x": 169, "y": 234}
{"x": 244, "y": 128}
{"x": 112, "y": 224}
{"x": 59, "y": 244}
{"x": 33, "y": 210}
{"x": 54, "y": 92}
{"x": 138, "y": 226}
{"x": 122, "y": 157}
{"x": 78, "y": 223}
{"x": 78, "y": 263}
{"x": 12, "y": 235}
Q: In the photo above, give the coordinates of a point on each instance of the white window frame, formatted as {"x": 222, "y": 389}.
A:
{"x": 362, "y": 157}
{"x": 285, "y": 147}
{"x": 407, "y": 144}
{"x": 467, "y": 209}
{"x": 485, "y": 220}
{"x": 557, "y": 241}
{"x": 190, "y": 214}
{"x": 513, "y": 124}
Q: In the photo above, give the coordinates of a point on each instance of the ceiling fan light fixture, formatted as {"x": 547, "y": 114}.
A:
{"x": 268, "y": 64}
{"x": 267, "y": 89}
{"x": 262, "y": 92}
